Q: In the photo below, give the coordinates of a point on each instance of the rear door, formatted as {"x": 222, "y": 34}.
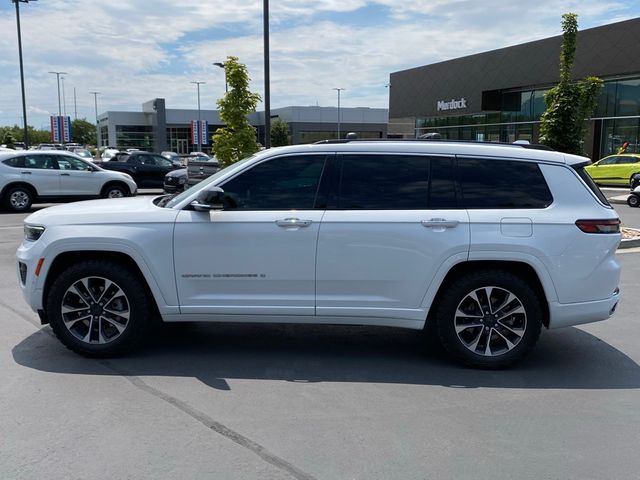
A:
{"x": 390, "y": 225}
{"x": 41, "y": 171}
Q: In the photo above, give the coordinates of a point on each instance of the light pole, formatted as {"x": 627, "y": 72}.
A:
{"x": 199, "y": 128}
{"x": 98, "y": 139}
{"x": 57, "y": 74}
{"x": 24, "y": 103}
{"x": 221, "y": 65}
{"x": 267, "y": 93}
{"x": 339, "y": 90}
{"x": 75, "y": 105}
{"x": 64, "y": 99}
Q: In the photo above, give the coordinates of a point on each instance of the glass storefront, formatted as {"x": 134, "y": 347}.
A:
{"x": 135, "y": 136}
{"x": 520, "y": 111}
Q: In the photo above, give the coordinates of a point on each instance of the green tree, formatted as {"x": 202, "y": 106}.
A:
{"x": 569, "y": 104}
{"x": 237, "y": 139}
{"x": 8, "y": 139}
{"x": 83, "y": 131}
{"x": 280, "y": 133}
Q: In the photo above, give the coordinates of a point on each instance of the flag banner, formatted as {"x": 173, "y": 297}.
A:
{"x": 204, "y": 129}
{"x": 60, "y": 129}
{"x": 195, "y": 132}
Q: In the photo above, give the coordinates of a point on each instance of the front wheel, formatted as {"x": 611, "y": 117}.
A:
{"x": 114, "y": 191}
{"x": 489, "y": 319}
{"x": 633, "y": 201}
{"x": 98, "y": 308}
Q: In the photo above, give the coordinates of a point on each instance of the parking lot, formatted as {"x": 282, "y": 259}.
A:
{"x": 270, "y": 402}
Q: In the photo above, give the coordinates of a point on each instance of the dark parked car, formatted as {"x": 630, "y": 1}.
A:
{"x": 175, "y": 181}
{"x": 147, "y": 169}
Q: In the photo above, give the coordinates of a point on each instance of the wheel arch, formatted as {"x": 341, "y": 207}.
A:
{"x": 66, "y": 259}
{"x": 19, "y": 183}
{"x": 519, "y": 268}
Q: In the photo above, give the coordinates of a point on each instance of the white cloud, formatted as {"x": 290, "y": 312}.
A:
{"x": 134, "y": 50}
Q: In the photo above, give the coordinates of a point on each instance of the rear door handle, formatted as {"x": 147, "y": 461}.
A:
{"x": 439, "y": 223}
{"x": 293, "y": 222}
{"x": 26, "y": 173}
{"x": 65, "y": 174}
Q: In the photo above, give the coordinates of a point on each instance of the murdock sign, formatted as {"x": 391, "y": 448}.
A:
{"x": 452, "y": 104}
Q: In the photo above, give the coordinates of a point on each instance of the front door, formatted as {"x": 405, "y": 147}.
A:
{"x": 76, "y": 177}
{"x": 258, "y": 255}
{"x": 393, "y": 224}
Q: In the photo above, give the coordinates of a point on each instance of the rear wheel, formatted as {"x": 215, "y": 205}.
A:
{"x": 19, "y": 199}
{"x": 489, "y": 319}
{"x": 633, "y": 201}
{"x": 98, "y": 308}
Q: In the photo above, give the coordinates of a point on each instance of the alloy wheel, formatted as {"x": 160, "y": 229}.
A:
{"x": 19, "y": 199}
{"x": 95, "y": 310}
{"x": 490, "y": 321}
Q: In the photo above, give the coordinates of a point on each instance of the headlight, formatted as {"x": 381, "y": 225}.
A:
{"x": 33, "y": 232}
{"x": 182, "y": 180}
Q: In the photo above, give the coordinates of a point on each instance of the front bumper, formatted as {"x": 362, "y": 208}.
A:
{"x": 28, "y": 255}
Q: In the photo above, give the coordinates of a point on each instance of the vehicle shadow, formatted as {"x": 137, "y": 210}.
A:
{"x": 564, "y": 359}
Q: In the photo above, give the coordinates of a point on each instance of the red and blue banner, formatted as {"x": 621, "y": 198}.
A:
{"x": 60, "y": 129}
{"x": 199, "y": 132}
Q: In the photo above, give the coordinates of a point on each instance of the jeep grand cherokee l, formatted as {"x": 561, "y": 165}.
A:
{"x": 485, "y": 243}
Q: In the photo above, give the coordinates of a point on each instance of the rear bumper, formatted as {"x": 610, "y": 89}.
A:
{"x": 568, "y": 314}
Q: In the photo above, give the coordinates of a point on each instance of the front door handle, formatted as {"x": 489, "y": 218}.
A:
{"x": 65, "y": 174}
{"x": 440, "y": 223}
{"x": 293, "y": 222}
{"x": 26, "y": 173}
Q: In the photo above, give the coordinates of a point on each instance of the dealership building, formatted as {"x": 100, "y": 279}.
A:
{"x": 499, "y": 95}
{"x": 157, "y": 128}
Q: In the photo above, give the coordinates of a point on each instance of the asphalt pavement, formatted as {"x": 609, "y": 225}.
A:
{"x": 227, "y": 401}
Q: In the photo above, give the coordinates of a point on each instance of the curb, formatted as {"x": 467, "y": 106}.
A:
{"x": 630, "y": 243}
{"x": 618, "y": 199}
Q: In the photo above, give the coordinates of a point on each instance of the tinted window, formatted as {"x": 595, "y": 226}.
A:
{"x": 16, "y": 162}
{"x": 283, "y": 183}
{"x": 40, "y": 162}
{"x": 492, "y": 183}
{"x": 383, "y": 182}
{"x": 442, "y": 190}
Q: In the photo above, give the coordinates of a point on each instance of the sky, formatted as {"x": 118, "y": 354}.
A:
{"x": 134, "y": 50}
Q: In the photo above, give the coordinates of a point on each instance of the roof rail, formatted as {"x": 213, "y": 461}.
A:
{"x": 533, "y": 146}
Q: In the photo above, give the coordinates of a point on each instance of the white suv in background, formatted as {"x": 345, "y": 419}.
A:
{"x": 486, "y": 243}
{"x": 30, "y": 176}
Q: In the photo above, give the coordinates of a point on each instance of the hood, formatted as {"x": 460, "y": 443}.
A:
{"x": 177, "y": 173}
{"x": 139, "y": 209}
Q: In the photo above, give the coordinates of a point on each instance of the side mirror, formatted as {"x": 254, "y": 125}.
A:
{"x": 210, "y": 199}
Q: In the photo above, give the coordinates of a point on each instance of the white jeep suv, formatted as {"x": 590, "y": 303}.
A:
{"x": 485, "y": 243}
{"x": 31, "y": 176}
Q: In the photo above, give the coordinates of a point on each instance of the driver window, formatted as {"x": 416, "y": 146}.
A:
{"x": 69, "y": 163}
{"x": 284, "y": 183}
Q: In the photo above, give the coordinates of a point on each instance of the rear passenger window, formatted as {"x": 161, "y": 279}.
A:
{"x": 395, "y": 182}
{"x": 493, "y": 183}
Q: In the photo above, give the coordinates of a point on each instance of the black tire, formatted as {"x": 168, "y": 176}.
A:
{"x": 466, "y": 346}
{"x": 19, "y": 199}
{"x": 131, "y": 311}
{"x": 115, "y": 190}
{"x": 633, "y": 201}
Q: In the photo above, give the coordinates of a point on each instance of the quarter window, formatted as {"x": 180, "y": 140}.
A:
{"x": 16, "y": 162}
{"x": 284, "y": 183}
{"x": 493, "y": 183}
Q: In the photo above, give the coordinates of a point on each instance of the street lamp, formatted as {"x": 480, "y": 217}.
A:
{"x": 24, "y": 102}
{"x": 339, "y": 90}
{"x": 199, "y": 128}
{"x": 57, "y": 74}
{"x": 221, "y": 65}
{"x": 98, "y": 140}
{"x": 64, "y": 99}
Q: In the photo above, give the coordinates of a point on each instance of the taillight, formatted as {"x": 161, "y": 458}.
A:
{"x": 599, "y": 226}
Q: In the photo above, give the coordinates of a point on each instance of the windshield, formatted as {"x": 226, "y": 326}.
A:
{"x": 176, "y": 199}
